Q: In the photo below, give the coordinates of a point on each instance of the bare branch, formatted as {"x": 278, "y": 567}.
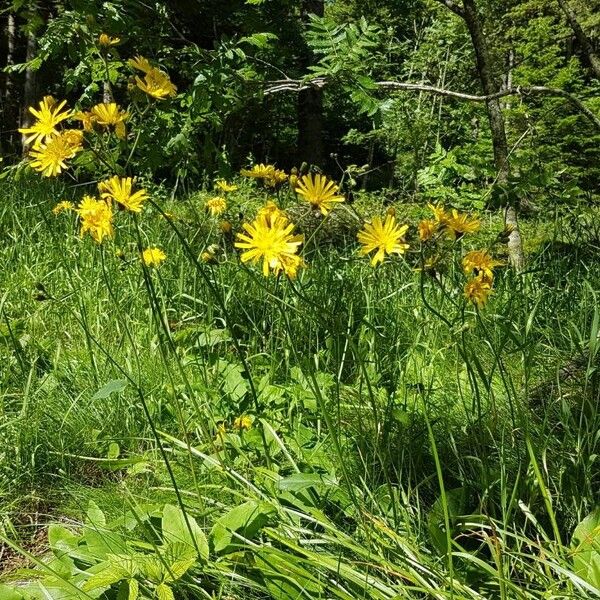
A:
{"x": 455, "y": 8}
{"x": 296, "y": 85}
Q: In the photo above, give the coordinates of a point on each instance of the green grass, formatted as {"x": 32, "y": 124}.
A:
{"x": 403, "y": 444}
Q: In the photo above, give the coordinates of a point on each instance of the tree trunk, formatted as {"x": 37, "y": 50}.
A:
{"x": 582, "y": 38}
{"x": 310, "y": 102}
{"x": 29, "y": 89}
{"x": 107, "y": 96}
{"x": 469, "y": 14}
{"x": 9, "y": 103}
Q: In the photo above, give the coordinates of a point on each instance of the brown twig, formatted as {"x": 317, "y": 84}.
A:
{"x": 297, "y": 85}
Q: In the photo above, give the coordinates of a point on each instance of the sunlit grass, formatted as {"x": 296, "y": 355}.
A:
{"x": 391, "y": 420}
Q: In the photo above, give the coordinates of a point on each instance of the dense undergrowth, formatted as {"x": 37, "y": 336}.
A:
{"x": 199, "y": 431}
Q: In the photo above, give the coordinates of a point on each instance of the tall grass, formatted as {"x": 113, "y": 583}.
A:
{"x": 403, "y": 445}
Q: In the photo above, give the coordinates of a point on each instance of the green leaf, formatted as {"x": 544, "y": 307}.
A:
{"x": 586, "y": 549}
{"x": 164, "y": 592}
{"x": 175, "y": 529}
{"x": 110, "y": 574}
{"x": 301, "y": 481}
{"x": 95, "y": 516}
{"x": 246, "y": 519}
{"x": 134, "y": 589}
{"x": 7, "y": 593}
{"x": 213, "y": 337}
{"x": 456, "y": 501}
{"x": 180, "y": 558}
{"x": 113, "y": 451}
{"x": 116, "y": 385}
{"x": 61, "y": 540}
{"x": 234, "y": 384}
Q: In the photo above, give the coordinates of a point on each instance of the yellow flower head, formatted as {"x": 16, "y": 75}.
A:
{"x": 269, "y": 238}
{"x": 119, "y": 189}
{"x": 439, "y": 212}
{"x": 87, "y": 119}
{"x": 477, "y": 290}
{"x": 108, "y": 114}
{"x": 427, "y": 229}
{"x": 48, "y": 116}
{"x": 225, "y": 187}
{"x": 96, "y": 218}
{"x": 63, "y": 206}
{"x": 293, "y": 181}
{"x": 260, "y": 171}
{"x": 458, "y": 224}
{"x": 242, "y": 422}
{"x": 225, "y": 227}
{"x": 73, "y": 136}
{"x": 276, "y": 177}
{"x": 50, "y": 158}
{"x": 106, "y": 41}
{"x": 156, "y": 84}
{"x": 320, "y": 192}
{"x": 291, "y": 264}
{"x": 216, "y": 206}
{"x": 270, "y": 208}
{"x": 385, "y": 238}
{"x": 141, "y": 64}
{"x": 480, "y": 262}
{"x": 153, "y": 257}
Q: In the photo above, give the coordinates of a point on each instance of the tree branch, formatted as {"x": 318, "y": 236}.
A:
{"x": 297, "y": 85}
{"x": 455, "y": 8}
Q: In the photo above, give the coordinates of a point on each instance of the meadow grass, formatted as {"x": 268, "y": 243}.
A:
{"x": 403, "y": 444}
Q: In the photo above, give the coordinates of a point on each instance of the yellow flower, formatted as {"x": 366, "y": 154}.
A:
{"x": 242, "y": 422}
{"x": 481, "y": 262}
{"x": 291, "y": 264}
{"x": 63, "y": 206}
{"x": 48, "y": 116}
{"x": 270, "y": 208}
{"x": 458, "y": 224}
{"x": 293, "y": 181}
{"x": 225, "y": 187}
{"x": 427, "y": 229}
{"x": 73, "y": 137}
{"x": 49, "y": 159}
{"x": 106, "y": 40}
{"x": 119, "y": 189}
{"x": 320, "y": 192}
{"x": 275, "y": 178}
{"x": 216, "y": 206}
{"x": 108, "y": 114}
{"x": 141, "y": 64}
{"x": 86, "y": 118}
{"x": 260, "y": 171}
{"x": 225, "y": 227}
{"x": 439, "y": 212}
{"x": 269, "y": 238}
{"x": 156, "y": 84}
{"x": 386, "y": 238}
{"x": 153, "y": 257}
{"x": 477, "y": 290}
{"x": 96, "y": 218}
{"x": 208, "y": 257}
